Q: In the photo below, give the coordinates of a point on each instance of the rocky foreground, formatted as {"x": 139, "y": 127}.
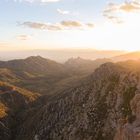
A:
{"x": 131, "y": 129}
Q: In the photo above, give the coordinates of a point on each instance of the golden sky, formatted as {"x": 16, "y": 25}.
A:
{"x": 51, "y": 24}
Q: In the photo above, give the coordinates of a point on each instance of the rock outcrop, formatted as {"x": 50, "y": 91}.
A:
{"x": 131, "y": 129}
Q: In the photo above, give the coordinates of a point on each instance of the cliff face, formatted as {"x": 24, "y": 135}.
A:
{"x": 93, "y": 110}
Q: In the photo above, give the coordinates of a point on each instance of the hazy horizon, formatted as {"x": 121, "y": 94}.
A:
{"x": 60, "y": 55}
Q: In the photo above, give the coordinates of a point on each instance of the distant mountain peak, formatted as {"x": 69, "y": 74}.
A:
{"x": 76, "y": 60}
{"x": 34, "y": 57}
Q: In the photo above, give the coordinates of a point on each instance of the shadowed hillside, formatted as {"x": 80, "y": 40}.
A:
{"x": 13, "y": 100}
{"x": 43, "y": 75}
{"x": 34, "y": 65}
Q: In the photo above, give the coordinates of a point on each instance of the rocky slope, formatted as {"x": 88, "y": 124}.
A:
{"x": 131, "y": 129}
{"x": 92, "y": 110}
{"x": 13, "y": 100}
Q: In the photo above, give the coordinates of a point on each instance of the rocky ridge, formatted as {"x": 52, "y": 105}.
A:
{"x": 90, "y": 111}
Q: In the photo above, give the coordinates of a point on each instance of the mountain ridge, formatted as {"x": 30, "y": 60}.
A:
{"x": 37, "y": 71}
{"x": 89, "y": 111}
{"x": 91, "y": 106}
{"x": 127, "y": 56}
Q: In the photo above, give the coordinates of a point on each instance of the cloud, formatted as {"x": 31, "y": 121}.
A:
{"x": 71, "y": 24}
{"x": 66, "y": 12}
{"x": 23, "y": 37}
{"x": 130, "y": 6}
{"x": 41, "y": 26}
{"x": 39, "y": 1}
{"x": 90, "y": 25}
{"x": 123, "y": 7}
{"x": 63, "y": 25}
{"x": 113, "y": 11}
{"x": 76, "y": 24}
{"x": 62, "y": 12}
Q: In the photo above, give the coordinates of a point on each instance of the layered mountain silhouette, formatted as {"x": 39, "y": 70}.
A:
{"x": 79, "y": 100}
{"x": 80, "y": 65}
{"x": 40, "y": 74}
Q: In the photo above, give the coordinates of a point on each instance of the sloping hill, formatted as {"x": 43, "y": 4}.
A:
{"x": 127, "y": 56}
{"x": 33, "y": 65}
{"x": 8, "y": 75}
{"x": 33, "y": 73}
{"x": 13, "y": 100}
{"x": 131, "y": 65}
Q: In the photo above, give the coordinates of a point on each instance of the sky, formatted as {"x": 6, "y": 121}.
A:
{"x": 56, "y": 24}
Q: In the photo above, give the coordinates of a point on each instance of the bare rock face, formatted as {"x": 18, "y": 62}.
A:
{"x": 135, "y": 106}
{"x": 131, "y": 129}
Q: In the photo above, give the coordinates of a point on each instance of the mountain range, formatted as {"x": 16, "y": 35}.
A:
{"x": 81, "y": 99}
